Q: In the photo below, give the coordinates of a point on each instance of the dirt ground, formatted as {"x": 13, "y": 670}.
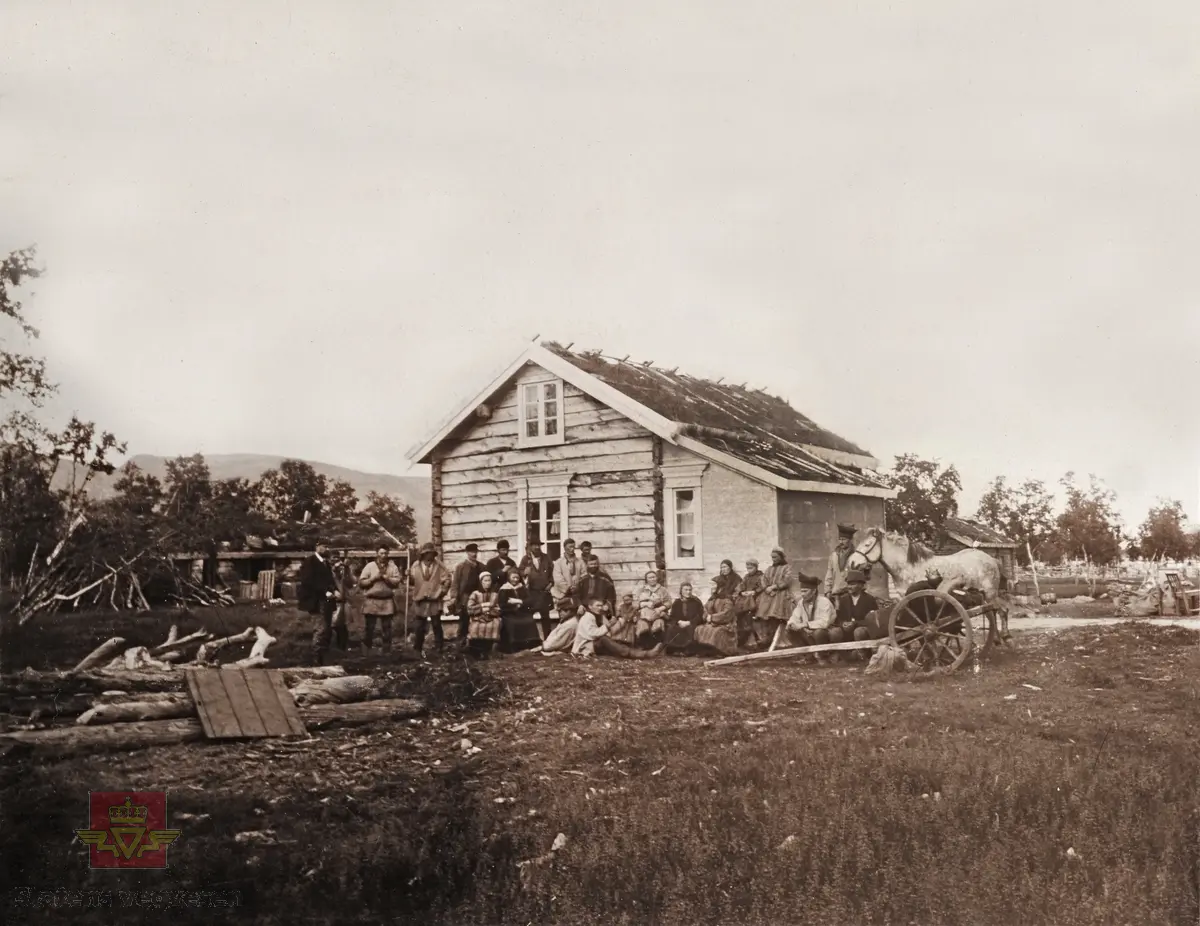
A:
{"x": 685, "y": 792}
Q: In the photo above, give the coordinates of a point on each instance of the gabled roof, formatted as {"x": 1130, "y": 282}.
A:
{"x": 972, "y": 533}
{"x": 751, "y": 432}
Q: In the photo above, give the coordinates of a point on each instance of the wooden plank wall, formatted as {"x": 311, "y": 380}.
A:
{"x": 611, "y": 495}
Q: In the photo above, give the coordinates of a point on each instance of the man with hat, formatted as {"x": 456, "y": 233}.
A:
{"x": 500, "y": 564}
{"x": 537, "y": 569}
{"x": 835, "y": 575}
{"x": 316, "y": 596}
{"x": 430, "y": 581}
{"x": 812, "y": 617}
{"x": 465, "y": 581}
{"x": 853, "y": 607}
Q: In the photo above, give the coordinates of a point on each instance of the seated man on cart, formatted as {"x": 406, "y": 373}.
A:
{"x": 855, "y": 605}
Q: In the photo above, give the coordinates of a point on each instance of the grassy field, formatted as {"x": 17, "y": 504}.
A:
{"x": 777, "y": 794}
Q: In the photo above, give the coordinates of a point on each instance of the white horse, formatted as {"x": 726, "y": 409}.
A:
{"x": 907, "y": 561}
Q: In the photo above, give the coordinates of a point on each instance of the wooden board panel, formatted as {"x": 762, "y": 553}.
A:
{"x": 212, "y": 704}
{"x": 243, "y": 705}
{"x": 275, "y": 703}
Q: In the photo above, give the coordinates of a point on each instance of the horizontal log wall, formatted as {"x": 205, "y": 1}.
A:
{"x": 610, "y": 497}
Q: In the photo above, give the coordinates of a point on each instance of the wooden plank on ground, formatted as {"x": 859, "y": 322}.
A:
{"x": 238, "y": 693}
{"x": 212, "y": 703}
{"x": 797, "y": 651}
{"x": 275, "y": 703}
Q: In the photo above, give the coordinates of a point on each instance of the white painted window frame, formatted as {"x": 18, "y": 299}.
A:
{"x": 551, "y": 487}
{"x": 543, "y": 439}
{"x": 678, "y": 476}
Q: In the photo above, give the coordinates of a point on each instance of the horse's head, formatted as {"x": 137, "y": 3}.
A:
{"x": 868, "y": 551}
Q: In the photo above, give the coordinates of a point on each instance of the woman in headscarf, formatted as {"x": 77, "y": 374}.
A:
{"x": 687, "y": 613}
{"x": 776, "y": 604}
{"x": 719, "y": 631}
{"x": 725, "y": 583}
{"x": 653, "y": 601}
{"x": 516, "y": 621}
{"x": 745, "y": 602}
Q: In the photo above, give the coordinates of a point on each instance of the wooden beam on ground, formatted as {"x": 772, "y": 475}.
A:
{"x": 797, "y": 651}
{"x": 116, "y": 737}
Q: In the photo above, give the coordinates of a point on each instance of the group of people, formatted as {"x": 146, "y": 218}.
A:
{"x": 743, "y": 612}
{"x": 503, "y": 602}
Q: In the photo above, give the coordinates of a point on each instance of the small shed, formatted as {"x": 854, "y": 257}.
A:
{"x": 962, "y": 534}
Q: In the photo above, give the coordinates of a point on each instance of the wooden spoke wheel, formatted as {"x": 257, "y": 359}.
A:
{"x": 933, "y": 629}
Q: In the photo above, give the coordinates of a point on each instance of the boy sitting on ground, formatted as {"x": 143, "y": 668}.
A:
{"x": 592, "y": 636}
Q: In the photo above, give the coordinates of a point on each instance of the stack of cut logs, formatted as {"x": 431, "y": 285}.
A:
{"x": 139, "y": 697}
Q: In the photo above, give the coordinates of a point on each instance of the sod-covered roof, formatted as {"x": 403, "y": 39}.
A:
{"x": 753, "y": 426}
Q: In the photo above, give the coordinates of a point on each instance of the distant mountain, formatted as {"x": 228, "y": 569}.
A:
{"x": 414, "y": 490}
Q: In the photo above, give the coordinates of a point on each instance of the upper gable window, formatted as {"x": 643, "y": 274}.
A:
{"x": 541, "y": 408}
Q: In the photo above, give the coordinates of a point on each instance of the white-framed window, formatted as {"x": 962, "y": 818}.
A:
{"x": 544, "y": 521}
{"x": 684, "y": 515}
{"x": 542, "y": 512}
{"x": 541, "y": 413}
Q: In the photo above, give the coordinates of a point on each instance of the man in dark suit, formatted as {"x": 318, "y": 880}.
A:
{"x": 499, "y": 564}
{"x": 537, "y": 569}
{"x": 596, "y": 586}
{"x": 465, "y": 581}
{"x": 317, "y": 596}
{"x": 853, "y": 607}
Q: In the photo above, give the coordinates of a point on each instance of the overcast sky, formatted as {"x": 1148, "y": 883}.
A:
{"x": 964, "y": 230}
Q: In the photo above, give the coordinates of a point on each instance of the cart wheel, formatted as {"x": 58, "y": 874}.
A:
{"x": 933, "y": 629}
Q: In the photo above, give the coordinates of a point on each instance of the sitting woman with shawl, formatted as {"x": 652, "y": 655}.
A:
{"x": 687, "y": 613}
{"x": 654, "y": 602}
{"x": 745, "y": 603}
{"x": 719, "y": 632}
{"x": 623, "y": 627}
{"x": 517, "y": 625}
{"x": 483, "y": 615}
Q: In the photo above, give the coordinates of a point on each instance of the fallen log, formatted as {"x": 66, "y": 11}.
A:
{"x": 116, "y": 737}
{"x": 180, "y": 705}
{"x": 346, "y": 689}
{"x": 250, "y": 662}
{"x": 264, "y": 639}
{"x": 300, "y": 673}
{"x": 130, "y": 697}
{"x": 99, "y": 654}
{"x": 176, "y": 644}
{"x": 208, "y": 650}
{"x": 31, "y": 681}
